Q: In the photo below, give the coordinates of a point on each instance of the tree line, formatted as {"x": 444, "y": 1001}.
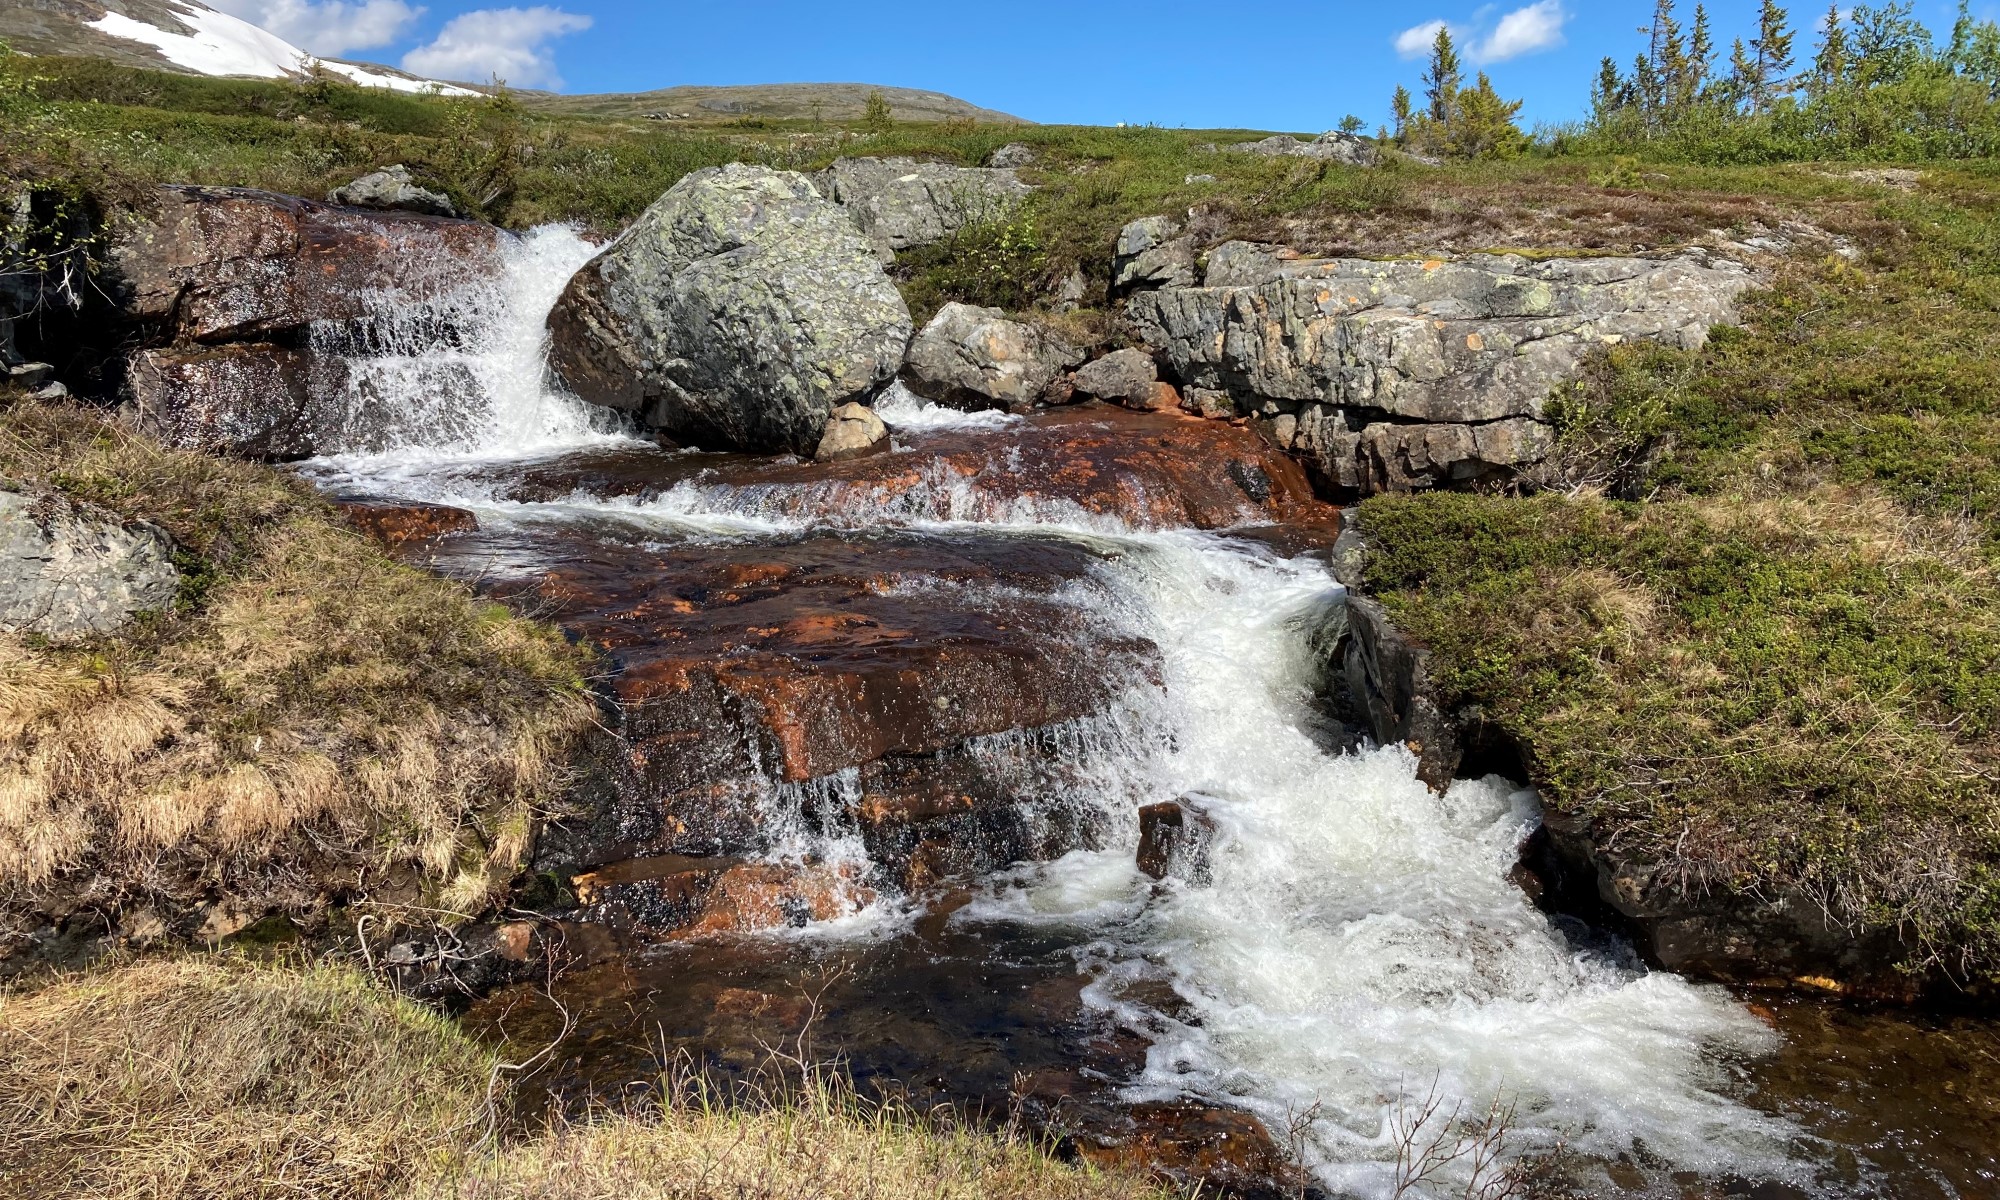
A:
{"x": 1872, "y": 82}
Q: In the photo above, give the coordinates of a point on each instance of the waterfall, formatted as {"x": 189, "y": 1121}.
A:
{"x": 1360, "y": 949}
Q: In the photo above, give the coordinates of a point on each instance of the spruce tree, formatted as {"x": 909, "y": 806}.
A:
{"x": 1443, "y": 77}
{"x": 1401, "y": 112}
{"x": 1830, "y": 64}
{"x": 1700, "y": 59}
{"x": 1609, "y": 96}
{"x": 1745, "y": 76}
{"x": 1773, "y": 45}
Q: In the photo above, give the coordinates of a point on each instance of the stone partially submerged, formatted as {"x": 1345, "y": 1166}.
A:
{"x": 69, "y": 571}
{"x": 1398, "y": 376}
{"x": 739, "y": 311}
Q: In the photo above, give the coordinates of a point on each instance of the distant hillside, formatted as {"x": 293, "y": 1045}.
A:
{"x": 802, "y": 101}
{"x": 178, "y": 35}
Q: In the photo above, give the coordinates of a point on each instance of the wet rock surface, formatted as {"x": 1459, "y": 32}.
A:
{"x": 739, "y": 311}
{"x": 232, "y": 264}
{"x": 69, "y": 571}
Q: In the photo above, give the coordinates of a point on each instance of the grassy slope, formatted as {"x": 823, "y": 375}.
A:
{"x": 217, "y": 1079}
{"x": 275, "y": 739}
{"x": 1780, "y": 670}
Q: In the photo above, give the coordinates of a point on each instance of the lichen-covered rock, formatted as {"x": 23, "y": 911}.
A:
{"x": 1127, "y": 377}
{"x": 68, "y": 570}
{"x": 1013, "y": 154}
{"x": 392, "y": 188}
{"x": 975, "y": 358}
{"x": 1332, "y": 147}
{"x": 902, "y": 202}
{"x": 852, "y": 431}
{"x": 739, "y": 311}
{"x": 1414, "y": 359}
{"x": 1152, "y": 253}
{"x": 232, "y": 264}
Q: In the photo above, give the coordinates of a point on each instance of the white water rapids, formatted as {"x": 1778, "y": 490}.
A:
{"x": 1360, "y": 946}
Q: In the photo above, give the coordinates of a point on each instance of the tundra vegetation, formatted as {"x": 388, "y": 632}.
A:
{"x": 1749, "y": 621}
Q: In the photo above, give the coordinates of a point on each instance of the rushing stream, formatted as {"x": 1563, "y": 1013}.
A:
{"x": 1357, "y": 947}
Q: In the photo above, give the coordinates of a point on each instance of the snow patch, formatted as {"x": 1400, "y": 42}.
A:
{"x": 226, "y": 45}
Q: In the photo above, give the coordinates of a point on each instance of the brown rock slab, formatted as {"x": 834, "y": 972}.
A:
{"x": 234, "y": 264}
{"x": 395, "y": 524}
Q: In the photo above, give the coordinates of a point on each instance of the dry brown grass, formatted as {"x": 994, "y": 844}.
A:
{"x": 213, "y": 1079}
{"x": 316, "y": 717}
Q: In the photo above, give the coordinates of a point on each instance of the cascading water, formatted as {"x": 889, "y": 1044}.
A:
{"x": 1360, "y": 947}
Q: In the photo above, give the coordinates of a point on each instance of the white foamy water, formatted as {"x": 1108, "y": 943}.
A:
{"x": 1360, "y": 946}
{"x": 464, "y": 373}
{"x": 902, "y": 409}
{"x": 1360, "y": 943}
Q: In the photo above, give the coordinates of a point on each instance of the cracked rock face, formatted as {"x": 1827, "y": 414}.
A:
{"x": 901, "y": 202}
{"x": 739, "y": 312}
{"x": 1394, "y": 376}
{"x": 69, "y": 571}
{"x": 976, "y": 358}
{"x": 1333, "y": 147}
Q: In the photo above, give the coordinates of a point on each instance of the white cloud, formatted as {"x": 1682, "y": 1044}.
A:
{"x": 329, "y": 27}
{"x": 1529, "y": 30}
{"x": 1417, "y": 40}
{"x": 497, "y": 43}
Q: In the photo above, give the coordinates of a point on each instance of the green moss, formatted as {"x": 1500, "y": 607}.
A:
{"x": 1753, "y": 693}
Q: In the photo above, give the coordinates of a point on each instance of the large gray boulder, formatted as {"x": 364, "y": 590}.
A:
{"x": 975, "y": 358}
{"x": 739, "y": 311}
{"x": 392, "y": 188}
{"x": 902, "y": 202}
{"x": 1330, "y": 147}
{"x": 1394, "y": 376}
{"x": 69, "y": 571}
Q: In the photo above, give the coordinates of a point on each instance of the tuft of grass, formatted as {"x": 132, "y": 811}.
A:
{"x": 314, "y": 715}
{"x": 1766, "y": 692}
{"x": 217, "y": 1079}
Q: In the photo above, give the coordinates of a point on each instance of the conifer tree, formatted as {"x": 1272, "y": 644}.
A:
{"x": 1830, "y": 64}
{"x": 1773, "y": 45}
{"x": 1744, "y": 75}
{"x": 1443, "y": 77}
{"x": 1700, "y": 59}
{"x": 1401, "y": 112}
{"x": 1610, "y": 95}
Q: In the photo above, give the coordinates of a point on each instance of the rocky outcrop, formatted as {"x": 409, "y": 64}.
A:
{"x": 244, "y": 295}
{"x": 1397, "y": 376}
{"x": 393, "y": 188}
{"x": 1331, "y": 147}
{"x": 70, "y": 571}
{"x": 739, "y": 311}
{"x": 976, "y": 358}
{"x": 903, "y": 202}
{"x": 252, "y": 401}
{"x": 230, "y": 264}
{"x": 1152, "y": 253}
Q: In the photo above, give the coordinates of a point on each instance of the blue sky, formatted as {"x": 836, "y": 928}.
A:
{"x": 1249, "y": 64}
